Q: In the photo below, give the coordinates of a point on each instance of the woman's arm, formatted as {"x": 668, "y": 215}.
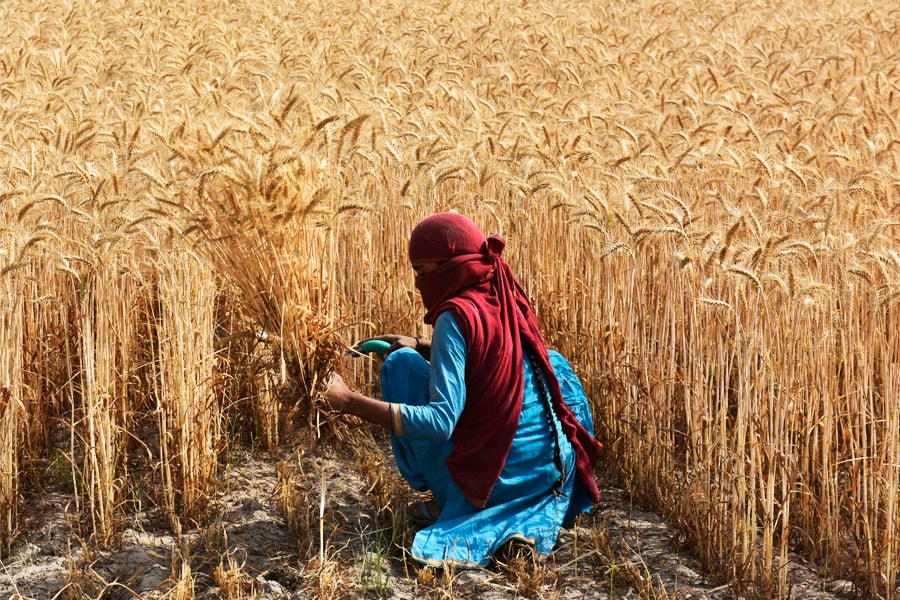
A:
{"x": 436, "y": 418}
{"x": 342, "y": 399}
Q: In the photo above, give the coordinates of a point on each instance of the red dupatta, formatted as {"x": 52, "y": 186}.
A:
{"x": 478, "y": 287}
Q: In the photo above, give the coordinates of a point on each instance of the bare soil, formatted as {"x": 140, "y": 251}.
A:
{"x": 247, "y": 550}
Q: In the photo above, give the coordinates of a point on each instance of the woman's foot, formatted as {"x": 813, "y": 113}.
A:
{"x": 424, "y": 513}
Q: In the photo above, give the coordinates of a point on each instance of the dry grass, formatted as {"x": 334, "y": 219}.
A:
{"x": 190, "y": 419}
{"x": 707, "y": 220}
{"x": 11, "y": 373}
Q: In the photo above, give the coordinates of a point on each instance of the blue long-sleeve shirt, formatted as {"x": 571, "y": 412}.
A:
{"x": 446, "y": 386}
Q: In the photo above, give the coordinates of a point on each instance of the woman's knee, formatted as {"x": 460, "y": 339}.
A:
{"x": 404, "y": 377}
{"x": 403, "y": 362}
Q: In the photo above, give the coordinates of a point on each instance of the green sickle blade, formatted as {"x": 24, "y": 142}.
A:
{"x": 376, "y": 346}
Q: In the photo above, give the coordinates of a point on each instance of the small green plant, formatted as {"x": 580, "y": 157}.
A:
{"x": 374, "y": 576}
{"x": 60, "y": 472}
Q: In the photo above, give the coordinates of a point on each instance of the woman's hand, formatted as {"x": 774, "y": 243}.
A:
{"x": 399, "y": 341}
{"x": 338, "y": 395}
{"x": 396, "y": 341}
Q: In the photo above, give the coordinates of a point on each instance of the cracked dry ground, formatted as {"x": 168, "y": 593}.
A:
{"x": 247, "y": 550}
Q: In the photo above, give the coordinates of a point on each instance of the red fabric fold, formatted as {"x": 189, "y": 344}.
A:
{"x": 478, "y": 287}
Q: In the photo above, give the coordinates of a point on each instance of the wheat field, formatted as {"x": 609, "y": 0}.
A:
{"x": 204, "y": 202}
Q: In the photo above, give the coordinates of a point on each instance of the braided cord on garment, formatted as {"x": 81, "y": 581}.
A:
{"x": 548, "y": 408}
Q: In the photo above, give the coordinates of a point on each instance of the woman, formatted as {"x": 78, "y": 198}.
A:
{"x": 496, "y": 426}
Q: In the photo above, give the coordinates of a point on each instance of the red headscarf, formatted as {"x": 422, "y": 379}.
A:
{"x": 478, "y": 287}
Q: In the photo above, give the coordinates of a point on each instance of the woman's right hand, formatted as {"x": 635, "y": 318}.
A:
{"x": 396, "y": 342}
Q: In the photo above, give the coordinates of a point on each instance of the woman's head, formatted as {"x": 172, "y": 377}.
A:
{"x": 450, "y": 254}
{"x": 443, "y": 236}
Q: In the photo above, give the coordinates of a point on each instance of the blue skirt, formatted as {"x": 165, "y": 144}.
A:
{"x": 532, "y": 499}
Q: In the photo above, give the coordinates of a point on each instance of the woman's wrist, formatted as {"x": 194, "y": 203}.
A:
{"x": 423, "y": 347}
{"x": 339, "y": 402}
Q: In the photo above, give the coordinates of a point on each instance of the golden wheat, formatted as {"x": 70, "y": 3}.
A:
{"x": 705, "y": 220}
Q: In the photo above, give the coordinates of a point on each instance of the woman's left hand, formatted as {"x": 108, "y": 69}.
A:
{"x": 337, "y": 396}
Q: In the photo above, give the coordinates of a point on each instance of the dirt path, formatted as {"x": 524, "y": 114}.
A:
{"x": 247, "y": 551}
